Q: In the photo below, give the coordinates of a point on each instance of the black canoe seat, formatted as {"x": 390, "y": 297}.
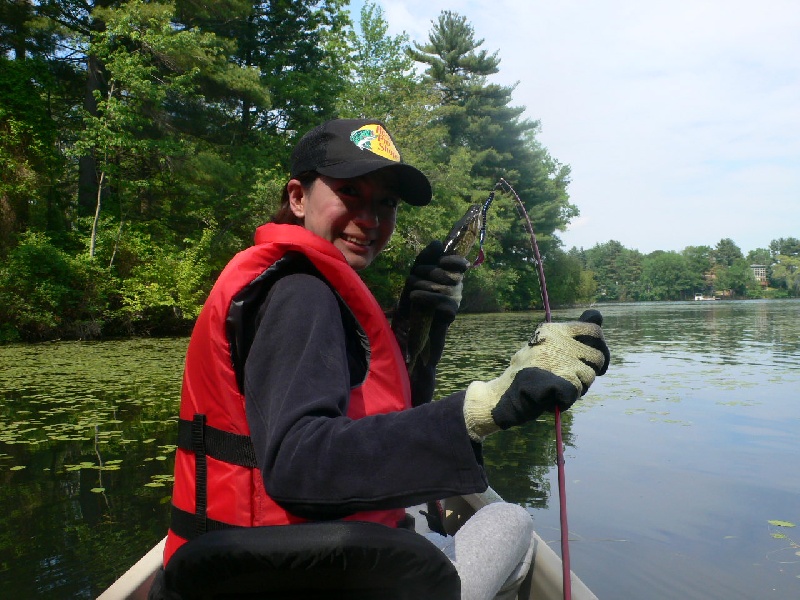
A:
{"x": 330, "y": 560}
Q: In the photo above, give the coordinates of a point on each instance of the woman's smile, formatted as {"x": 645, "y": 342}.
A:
{"x": 356, "y": 215}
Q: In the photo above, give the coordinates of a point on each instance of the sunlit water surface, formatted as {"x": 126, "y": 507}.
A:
{"x": 679, "y": 457}
{"x": 676, "y": 461}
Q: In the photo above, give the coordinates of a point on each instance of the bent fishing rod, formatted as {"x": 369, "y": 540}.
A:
{"x": 502, "y": 184}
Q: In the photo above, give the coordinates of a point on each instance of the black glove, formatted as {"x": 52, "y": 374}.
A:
{"x": 435, "y": 282}
{"x": 433, "y": 288}
{"x": 553, "y": 370}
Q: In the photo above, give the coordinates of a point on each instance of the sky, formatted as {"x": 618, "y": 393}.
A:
{"x": 679, "y": 119}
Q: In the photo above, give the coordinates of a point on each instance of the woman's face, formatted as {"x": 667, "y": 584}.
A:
{"x": 357, "y": 215}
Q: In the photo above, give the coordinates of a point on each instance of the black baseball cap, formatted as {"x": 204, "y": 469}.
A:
{"x": 345, "y": 148}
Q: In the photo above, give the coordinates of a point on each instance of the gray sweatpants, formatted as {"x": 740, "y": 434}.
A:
{"x": 492, "y": 551}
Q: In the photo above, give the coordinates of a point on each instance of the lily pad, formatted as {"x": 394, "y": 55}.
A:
{"x": 781, "y": 523}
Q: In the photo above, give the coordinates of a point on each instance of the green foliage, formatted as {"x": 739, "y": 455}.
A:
{"x": 381, "y": 84}
{"x": 163, "y": 285}
{"x": 44, "y": 291}
{"x": 142, "y": 143}
{"x": 720, "y": 271}
{"x": 727, "y": 252}
{"x": 666, "y": 276}
{"x": 617, "y": 270}
{"x": 484, "y": 138}
{"x": 738, "y": 277}
{"x": 786, "y": 273}
{"x": 700, "y": 260}
{"x": 785, "y": 247}
{"x": 27, "y": 151}
{"x": 759, "y": 256}
{"x": 492, "y": 290}
{"x": 567, "y": 282}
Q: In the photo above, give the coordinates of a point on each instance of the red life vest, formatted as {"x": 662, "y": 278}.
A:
{"x": 217, "y": 483}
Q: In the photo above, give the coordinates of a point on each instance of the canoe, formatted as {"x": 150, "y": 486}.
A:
{"x": 544, "y": 580}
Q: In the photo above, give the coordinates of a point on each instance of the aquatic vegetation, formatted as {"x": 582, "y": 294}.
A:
{"x": 777, "y": 523}
{"x": 789, "y": 554}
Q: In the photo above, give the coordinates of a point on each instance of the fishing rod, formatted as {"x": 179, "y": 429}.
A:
{"x": 562, "y": 490}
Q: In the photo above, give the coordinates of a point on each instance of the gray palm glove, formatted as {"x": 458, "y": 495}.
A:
{"x": 553, "y": 370}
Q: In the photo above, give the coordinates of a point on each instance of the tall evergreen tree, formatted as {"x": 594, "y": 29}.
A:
{"x": 474, "y": 111}
{"x": 491, "y": 138}
{"x": 295, "y": 46}
{"x": 727, "y": 252}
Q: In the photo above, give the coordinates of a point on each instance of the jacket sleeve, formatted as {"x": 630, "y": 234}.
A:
{"x": 316, "y": 462}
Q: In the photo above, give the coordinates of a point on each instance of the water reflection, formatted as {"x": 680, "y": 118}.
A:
{"x": 735, "y": 332}
{"x": 678, "y": 459}
{"x": 479, "y": 348}
{"x": 85, "y": 461}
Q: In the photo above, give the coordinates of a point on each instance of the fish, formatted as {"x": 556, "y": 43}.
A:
{"x": 460, "y": 240}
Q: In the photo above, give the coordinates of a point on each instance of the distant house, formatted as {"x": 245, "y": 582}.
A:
{"x": 760, "y": 273}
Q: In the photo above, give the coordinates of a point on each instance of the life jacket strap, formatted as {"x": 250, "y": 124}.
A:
{"x": 184, "y": 524}
{"x": 198, "y": 446}
{"x": 221, "y": 445}
{"x": 203, "y": 441}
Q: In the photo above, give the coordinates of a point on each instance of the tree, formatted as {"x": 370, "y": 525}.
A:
{"x": 297, "y": 48}
{"x": 567, "y": 281}
{"x": 785, "y": 247}
{"x": 74, "y": 24}
{"x": 381, "y": 79}
{"x": 27, "y": 153}
{"x": 31, "y": 122}
{"x": 458, "y": 72}
{"x": 786, "y": 273}
{"x": 666, "y": 276}
{"x": 157, "y": 135}
{"x": 616, "y": 269}
{"x": 759, "y": 256}
{"x": 147, "y": 61}
{"x": 477, "y": 116}
{"x": 727, "y": 252}
{"x": 488, "y": 137}
{"x": 738, "y": 278}
{"x": 700, "y": 260}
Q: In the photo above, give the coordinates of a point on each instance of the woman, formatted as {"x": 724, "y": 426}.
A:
{"x": 296, "y": 404}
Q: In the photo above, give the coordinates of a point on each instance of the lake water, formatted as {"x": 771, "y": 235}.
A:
{"x": 676, "y": 461}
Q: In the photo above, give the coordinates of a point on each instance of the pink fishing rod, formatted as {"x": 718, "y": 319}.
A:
{"x": 562, "y": 489}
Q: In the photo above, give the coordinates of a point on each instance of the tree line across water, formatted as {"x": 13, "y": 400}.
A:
{"x": 722, "y": 271}
{"x": 141, "y": 144}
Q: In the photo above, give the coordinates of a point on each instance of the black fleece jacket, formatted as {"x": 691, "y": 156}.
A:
{"x": 316, "y": 462}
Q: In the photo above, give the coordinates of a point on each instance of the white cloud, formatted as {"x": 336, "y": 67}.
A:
{"x": 680, "y": 120}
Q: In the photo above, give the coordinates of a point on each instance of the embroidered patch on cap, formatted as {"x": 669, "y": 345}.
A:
{"x": 375, "y": 139}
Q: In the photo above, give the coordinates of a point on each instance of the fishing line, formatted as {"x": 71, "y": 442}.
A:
{"x": 562, "y": 491}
